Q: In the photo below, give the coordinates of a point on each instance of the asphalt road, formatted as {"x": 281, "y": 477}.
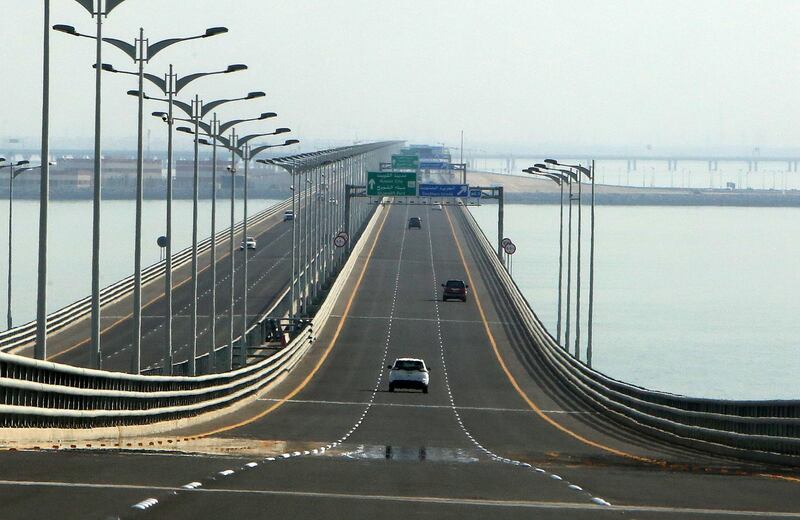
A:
{"x": 496, "y": 436}
{"x": 269, "y": 269}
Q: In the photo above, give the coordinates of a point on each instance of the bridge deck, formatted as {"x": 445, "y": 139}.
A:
{"x": 408, "y": 454}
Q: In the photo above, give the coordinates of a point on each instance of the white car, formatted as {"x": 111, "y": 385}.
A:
{"x": 437, "y": 207}
{"x": 288, "y": 215}
{"x": 250, "y": 243}
{"x": 408, "y": 373}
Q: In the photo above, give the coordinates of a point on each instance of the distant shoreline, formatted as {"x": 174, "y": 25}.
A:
{"x": 701, "y": 198}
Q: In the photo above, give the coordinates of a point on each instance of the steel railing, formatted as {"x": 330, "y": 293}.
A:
{"x": 767, "y": 431}
{"x": 25, "y": 335}
{"x": 49, "y": 396}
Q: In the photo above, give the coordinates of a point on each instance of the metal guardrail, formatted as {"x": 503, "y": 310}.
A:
{"x": 25, "y": 335}
{"x": 767, "y": 431}
{"x": 48, "y": 396}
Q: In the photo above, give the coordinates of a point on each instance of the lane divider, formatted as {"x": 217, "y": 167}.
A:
{"x": 491, "y": 454}
{"x": 287, "y": 398}
{"x": 147, "y": 304}
{"x": 513, "y": 380}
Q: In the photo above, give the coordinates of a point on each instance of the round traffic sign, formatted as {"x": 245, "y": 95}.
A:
{"x": 505, "y": 242}
{"x": 510, "y": 248}
{"x": 161, "y": 241}
{"x": 340, "y": 241}
{"x": 343, "y": 234}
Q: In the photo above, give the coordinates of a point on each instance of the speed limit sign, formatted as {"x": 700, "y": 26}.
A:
{"x": 340, "y": 241}
{"x": 505, "y": 242}
{"x": 510, "y": 248}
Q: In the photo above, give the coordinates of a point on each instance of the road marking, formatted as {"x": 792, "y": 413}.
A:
{"x": 493, "y": 455}
{"x": 152, "y": 301}
{"x": 420, "y": 319}
{"x": 512, "y": 379}
{"x": 527, "y": 504}
{"x": 434, "y": 406}
{"x": 325, "y": 354}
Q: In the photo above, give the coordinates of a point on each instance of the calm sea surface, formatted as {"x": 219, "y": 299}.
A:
{"x": 700, "y": 301}
{"x": 70, "y": 244}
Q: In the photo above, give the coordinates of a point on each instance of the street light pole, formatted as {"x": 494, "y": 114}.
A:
{"x": 140, "y": 51}
{"x": 575, "y": 172}
{"x": 168, "y": 350}
{"x": 11, "y": 175}
{"x": 137, "y": 262}
{"x": 243, "y": 347}
{"x": 211, "y": 353}
{"x": 591, "y": 280}
{"x": 232, "y": 169}
{"x": 560, "y": 179}
{"x": 40, "y": 348}
{"x": 96, "y": 357}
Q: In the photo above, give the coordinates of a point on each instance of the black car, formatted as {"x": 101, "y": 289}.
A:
{"x": 455, "y": 290}
{"x": 414, "y": 222}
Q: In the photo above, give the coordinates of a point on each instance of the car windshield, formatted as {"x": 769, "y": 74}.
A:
{"x": 455, "y": 284}
{"x": 414, "y": 219}
{"x": 405, "y": 364}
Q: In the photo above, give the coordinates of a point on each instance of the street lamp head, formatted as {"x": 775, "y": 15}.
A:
{"x": 185, "y": 130}
{"x": 282, "y": 130}
{"x": 540, "y": 165}
{"x": 253, "y": 95}
{"x": 22, "y": 163}
{"x": 67, "y": 29}
{"x": 213, "y": 31}
{"x": 290, "y": 142}
{"x": 204, "y": 141}
{"x": 163, "y": 115}
{"x": 551, "y": 161}
{"x": 2, "y": 159}
{"x": 236, "y": 67}
{"x": 108, "y": 67}
{"x": 267, "y": 115}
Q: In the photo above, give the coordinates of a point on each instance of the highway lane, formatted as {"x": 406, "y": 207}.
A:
{"x": 268, "y": 275}
{"x": 393, "y": 455}
{"x": 274, "y": 237}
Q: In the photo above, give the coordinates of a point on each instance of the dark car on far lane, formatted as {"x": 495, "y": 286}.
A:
{"x": 414, "y": 222}
{"x": 455, "y": 290}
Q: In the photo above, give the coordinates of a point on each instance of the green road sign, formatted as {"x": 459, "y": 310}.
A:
{"x": 392, "y": 184}
{"x": 405, "y": 162}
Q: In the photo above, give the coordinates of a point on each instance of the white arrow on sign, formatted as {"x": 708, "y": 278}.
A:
{"x": 463, "y": 191}
{"x": 372, "y": 184}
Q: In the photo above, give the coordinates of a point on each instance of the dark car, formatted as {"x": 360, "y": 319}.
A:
{"x": 455, "y": 290}
{"x": 414, "y": 222}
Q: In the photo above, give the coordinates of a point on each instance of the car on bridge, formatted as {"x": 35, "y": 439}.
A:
{"x": 288, "y": 215}
{"x": 250, "y": 243}
{"x": 437, "y": 207}
{"x": 408, "y": 373}
{"x": 455, "y": 290}
{"x": 415, "y": 223}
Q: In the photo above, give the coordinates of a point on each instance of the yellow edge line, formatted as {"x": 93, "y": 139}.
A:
{"x": 538, "y": 410}
{"x": 321, "y": 360}
{"x": 513, "y": 381}
{"x": 152, "y": 301}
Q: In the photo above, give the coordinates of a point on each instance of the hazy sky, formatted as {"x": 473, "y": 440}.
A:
{"x": 514, "y": 75}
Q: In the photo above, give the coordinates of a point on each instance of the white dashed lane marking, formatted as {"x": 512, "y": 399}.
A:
{"x": 488, "y": 452}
